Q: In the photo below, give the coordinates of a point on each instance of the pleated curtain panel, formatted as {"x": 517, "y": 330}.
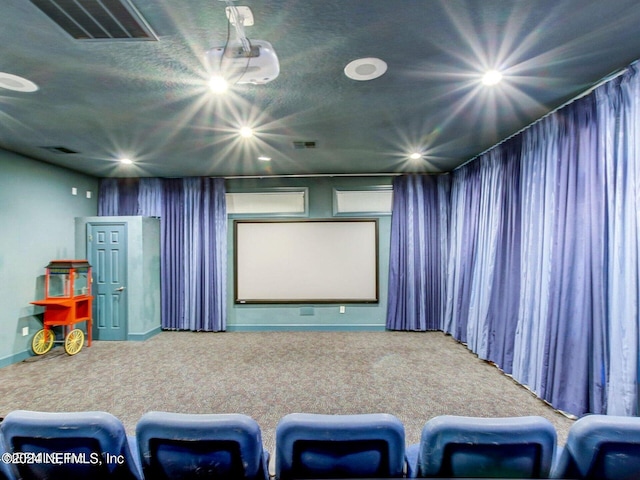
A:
{"x": 538, "y": 266}
{"x": 193, "y": 243}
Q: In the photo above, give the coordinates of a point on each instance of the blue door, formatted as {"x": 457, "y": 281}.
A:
{"x": 107, "y": 252}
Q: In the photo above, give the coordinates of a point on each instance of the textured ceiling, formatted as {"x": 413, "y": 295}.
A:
{"x": 149, "y": 100}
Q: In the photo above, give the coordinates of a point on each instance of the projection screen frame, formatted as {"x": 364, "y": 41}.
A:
{"x": 311, "y": 300}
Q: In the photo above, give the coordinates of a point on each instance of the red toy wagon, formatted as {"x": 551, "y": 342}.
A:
{"x": 67, "y": 301}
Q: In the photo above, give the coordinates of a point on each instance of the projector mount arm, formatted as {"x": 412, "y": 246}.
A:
{"x": 237, "y": 20}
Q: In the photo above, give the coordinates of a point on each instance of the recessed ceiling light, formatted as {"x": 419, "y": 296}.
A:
{"x": 264, "y": 158}
{"x": 246, "y": 132}
{"x": 364, "y": 69}
{"x": 218, "y": 84}
{"x": 492, "y": 77}
{"x": 126, "y": 161}
{"x": 415, "y": 156}
{"x": 16, "y": 83}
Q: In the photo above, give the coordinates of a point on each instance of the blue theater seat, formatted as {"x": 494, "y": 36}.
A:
{"x": 5, "y": 470}
{"x": 70, "y": 446}
{"x": 457, "y": 447}
{"x": 185, "y": 446}
{"x": 603, "y": 447}
{"x": 339, "y": 446}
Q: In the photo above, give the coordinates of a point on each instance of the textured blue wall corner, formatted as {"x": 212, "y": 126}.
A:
{"x": 37, "y": 211}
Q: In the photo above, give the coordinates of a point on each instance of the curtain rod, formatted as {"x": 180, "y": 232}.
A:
{"x": 589, "y": 90}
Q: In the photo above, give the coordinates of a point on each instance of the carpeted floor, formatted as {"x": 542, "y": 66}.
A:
{"x": 266, "y": 375}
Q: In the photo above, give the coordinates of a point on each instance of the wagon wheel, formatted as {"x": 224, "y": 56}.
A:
{"x": 73, "y": 341}
{"x": 42, "y": 341}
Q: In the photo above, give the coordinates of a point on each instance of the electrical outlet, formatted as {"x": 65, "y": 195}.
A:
{"x": 25, "y": 331}
{"x": 74, "y": 191}
{"x": 88, "y": 193}
{"x": 342, "y": 309}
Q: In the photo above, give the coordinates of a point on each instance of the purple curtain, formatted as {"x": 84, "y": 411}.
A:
{"x": 543, "y": 258}
{"x": 108, "y": 199}
{"x": 173, "y": 263}
{"x": 484, "y": 255}
{"x": 563, "y": 237}
{"x": 618, "y": 105}
{"x": 461, "y": 256}
{"x": 416, "y": 284}
{"x": 193, "y": 243}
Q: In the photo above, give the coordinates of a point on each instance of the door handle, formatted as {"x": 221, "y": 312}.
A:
{"x": 120, "y": 289}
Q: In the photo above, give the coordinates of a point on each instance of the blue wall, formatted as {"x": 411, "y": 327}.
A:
{"x": 319, "y": 316}
{"x": 37, "y": 211}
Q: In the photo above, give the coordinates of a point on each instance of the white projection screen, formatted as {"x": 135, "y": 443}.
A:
{"x": 306, "y": 261}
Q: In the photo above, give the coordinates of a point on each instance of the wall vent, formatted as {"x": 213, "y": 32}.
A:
{"x": 59, "y": 150}
{"x": 299, "y": 145}
{"x": 374, "y": 200}
{"x": 97, "y": 19}
{"x": 276, "y": 202}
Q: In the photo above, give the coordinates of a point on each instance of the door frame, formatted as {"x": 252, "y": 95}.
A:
{"x": 89, "y": 251}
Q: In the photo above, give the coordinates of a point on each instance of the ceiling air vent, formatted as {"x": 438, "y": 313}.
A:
{"x": 59, "y": 150}
{"x": 303, "y": 145}
{"x": 97, "y": 19}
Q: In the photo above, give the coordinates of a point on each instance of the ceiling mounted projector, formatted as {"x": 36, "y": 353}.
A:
{"x": 242, "y": 60}
{"x": 257, "y": 65}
